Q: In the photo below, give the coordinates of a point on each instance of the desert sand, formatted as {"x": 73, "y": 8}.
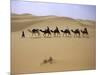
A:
{"x": 69, "y": 53}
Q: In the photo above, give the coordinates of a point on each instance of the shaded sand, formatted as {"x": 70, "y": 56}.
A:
{"x": 68, "y": 53}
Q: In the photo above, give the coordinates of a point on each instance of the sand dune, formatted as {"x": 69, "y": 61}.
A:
{"x": 23, "y": 21}
{"x": 19, "y": 22}
{"x": 69, "y": 53}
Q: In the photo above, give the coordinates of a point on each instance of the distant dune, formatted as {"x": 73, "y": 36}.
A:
{"x": 88, "y": 23}
{"x": 22, "y": 21}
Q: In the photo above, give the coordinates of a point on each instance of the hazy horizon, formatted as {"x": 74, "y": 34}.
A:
{"x": 76, "y": 11}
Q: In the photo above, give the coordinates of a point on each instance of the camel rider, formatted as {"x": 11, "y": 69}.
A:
{"x": 85, "y": 29}
{"x": 56, "y": 28}
{"x": 48, "y": 28}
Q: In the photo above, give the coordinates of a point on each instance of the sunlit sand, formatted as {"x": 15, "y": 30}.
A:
{"x": 68, "y": 53}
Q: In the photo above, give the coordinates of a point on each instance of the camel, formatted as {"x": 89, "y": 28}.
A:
{"x": 34, "y": 31}
{"x": 56, "y": 32}
{"x": 76, "y": 32}
{"x": 84, "y": 32}
{"x": 66, "y": 32}
{"x": 46, "y": 31}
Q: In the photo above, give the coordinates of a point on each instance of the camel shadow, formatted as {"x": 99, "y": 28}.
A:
{"x": 50, "y": 60}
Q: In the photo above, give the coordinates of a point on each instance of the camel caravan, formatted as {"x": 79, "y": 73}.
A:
{"x": 58, "y": 33}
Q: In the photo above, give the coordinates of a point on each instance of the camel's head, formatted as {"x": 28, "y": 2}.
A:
{"x": 51, "y": 30}
{"x": 40, "y": 29}
{"x": 72, "y": 30}
{"x": 81, "y": 30}
{"x": 61, "y": 30}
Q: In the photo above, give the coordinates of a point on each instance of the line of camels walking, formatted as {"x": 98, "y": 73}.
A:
{"x": 57, "y": 33}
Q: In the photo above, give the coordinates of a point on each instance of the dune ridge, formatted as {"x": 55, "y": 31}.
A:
{"x": 22, "y": 21}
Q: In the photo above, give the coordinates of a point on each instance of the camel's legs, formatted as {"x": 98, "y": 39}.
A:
{"x": 32, "y": 34}
{"x": 79, "y": 35}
